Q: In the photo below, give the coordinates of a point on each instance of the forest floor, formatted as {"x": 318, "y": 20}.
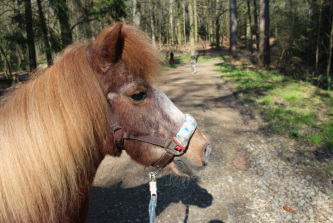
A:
{"x": 253, "y": 175}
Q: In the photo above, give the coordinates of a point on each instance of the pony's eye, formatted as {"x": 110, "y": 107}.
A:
{"x": 139, "y": 97}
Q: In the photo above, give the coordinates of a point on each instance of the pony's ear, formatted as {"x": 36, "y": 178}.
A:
{"x": 108, "y": 47}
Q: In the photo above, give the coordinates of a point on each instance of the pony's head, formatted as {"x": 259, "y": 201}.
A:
{"x": 143, "y": 118}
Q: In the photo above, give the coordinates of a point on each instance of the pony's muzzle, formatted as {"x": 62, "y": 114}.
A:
{"x": 206, "y": 154}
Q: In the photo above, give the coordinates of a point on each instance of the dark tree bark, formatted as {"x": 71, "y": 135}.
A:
{"x": 45, "y": 35}
{"x": 250, "y": 22}
{"x": 264, "y": 48}
{"x": 30, "y": 35}
{"x": 255, "y": 22}
{"x": 6, "y": 63}
{"x": 328, "y": 69}
{"x": 65, "y": 28}
{"x": 319, "y": 5}
{"x": 233, "y": 29}
{"x": 217, "y": 24}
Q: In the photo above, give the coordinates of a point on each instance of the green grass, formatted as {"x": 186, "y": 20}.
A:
{"x": 329, "y": 167}
{"x": 298, "y": 109}
{"x": 327, "y": 129}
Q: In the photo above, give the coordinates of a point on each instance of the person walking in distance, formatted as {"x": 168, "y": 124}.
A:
{"x": 171, "y": 58}
{"x": 193, "y": 64}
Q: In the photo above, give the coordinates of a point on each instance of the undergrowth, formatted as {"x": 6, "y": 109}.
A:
{"x": 295, "y": 108}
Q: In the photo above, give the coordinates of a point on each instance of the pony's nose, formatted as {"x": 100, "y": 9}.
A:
{"x": 206, "y": 154}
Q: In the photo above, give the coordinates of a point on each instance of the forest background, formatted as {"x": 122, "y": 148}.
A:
{"x": 294, "y": 35}
{"x": 291, "y": 38}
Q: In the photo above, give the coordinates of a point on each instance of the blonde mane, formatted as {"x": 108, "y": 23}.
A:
{"x": 54, "y": 132}
{"x": 49, "y": 138}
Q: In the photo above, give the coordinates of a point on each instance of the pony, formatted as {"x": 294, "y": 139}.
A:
{"x": 57, "y": 127}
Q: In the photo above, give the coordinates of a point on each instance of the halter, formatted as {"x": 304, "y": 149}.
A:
{"x": 176, "y": 146}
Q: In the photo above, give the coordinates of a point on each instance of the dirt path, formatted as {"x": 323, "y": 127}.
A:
{"x": 251, "y": 176}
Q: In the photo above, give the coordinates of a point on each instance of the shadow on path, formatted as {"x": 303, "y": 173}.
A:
{"x": 117, "y": 204}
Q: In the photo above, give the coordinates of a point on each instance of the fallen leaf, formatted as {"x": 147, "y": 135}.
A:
{"x": 289, "y": 209}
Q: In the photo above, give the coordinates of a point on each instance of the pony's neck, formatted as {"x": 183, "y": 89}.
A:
{"x": 55, "y": 131}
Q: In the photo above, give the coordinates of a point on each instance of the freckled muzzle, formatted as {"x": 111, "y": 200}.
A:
{"x": 178, "y": 145}
{"x": 175, "y": 146}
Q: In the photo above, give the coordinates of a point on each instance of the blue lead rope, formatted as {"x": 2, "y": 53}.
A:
{"x": 152, "y": 206}
{"x": 153, "y": 196}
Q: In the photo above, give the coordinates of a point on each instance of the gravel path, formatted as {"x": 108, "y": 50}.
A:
{"x": 252, "y": 176}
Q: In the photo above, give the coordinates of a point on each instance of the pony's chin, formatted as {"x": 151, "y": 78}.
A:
{"x": 181, "y": 169}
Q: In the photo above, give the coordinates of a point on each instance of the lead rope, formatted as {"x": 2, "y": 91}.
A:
{"x": 153, "y": 196}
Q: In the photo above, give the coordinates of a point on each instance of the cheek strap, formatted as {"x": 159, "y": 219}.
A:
{"x": 175, "y": 146}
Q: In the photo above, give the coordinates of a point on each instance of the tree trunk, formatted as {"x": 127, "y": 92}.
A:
{"x": 184, "y": 21}
{"x": 6, "y": 63}
{"x": 217, "y": 24}
{"x": 190, "y": 13}
{"x": 195, "y": 14}
{"x": 152, "y": 26}
{"x": 171, "y": 23}
{"x": 209, "y": 21}
{"x": 65, "y": 28}
{"x": 20, "y": 57}
{"x": 264, "y": 49}
{"x": 179, "y": 27}
{"x": 45, "y": 37}
{"x": 318, "y": 37}
{"x": 249, "y": 26}
{"x": 136, "y": 14}
{"x": 329, "y": 81}
{"x": 30, "y": 35}
{"x": 233, "y": 29}
{"x": 87, "y": 8}
{"x": 255, "y": 22}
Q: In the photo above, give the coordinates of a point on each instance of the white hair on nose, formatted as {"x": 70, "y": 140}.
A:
{"x": 167, "y": 106}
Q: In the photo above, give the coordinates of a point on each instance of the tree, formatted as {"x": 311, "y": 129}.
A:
{"x": 219, "y": 11}
{"x": 250, "y": 24}
{"x": 6, "y": 64}
{"x": 190, "y": 13}
{"x": 63, "y": 18}
{"x": 264, "y": 48}
{"x": 45, "y": 33}
{"x": 233, "y": 29}
{"x": 184, "y": 21}
{"x": 318, "y": 35}
{"x": 255, "y": 22}
{"x": 152, "y": 26}
{"x": 171, "y": 23}
{"x": 195, "y": 15}
{"x": 136, "y": 13}
{"x": 30, "y": 35}
{"x": 179, "y": 20}
{"x": 329, "y": 81}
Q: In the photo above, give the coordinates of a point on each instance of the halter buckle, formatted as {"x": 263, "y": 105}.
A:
{"x": 175, "y": 149}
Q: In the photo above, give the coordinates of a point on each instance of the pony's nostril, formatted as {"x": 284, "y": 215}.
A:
{"x": 206, "y": 154}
